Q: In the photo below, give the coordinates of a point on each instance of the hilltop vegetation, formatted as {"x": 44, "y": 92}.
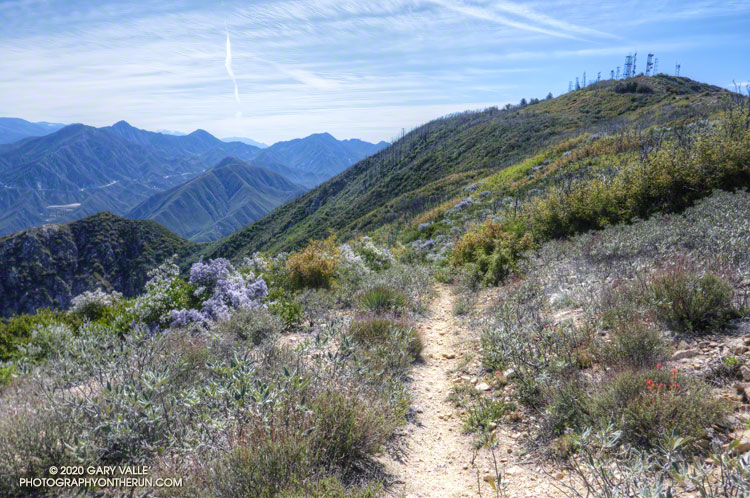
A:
{"x": 594, "y": 182}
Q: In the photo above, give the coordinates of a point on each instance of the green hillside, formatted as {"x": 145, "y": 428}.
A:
{"x": 432, "y": 163}
{"x": 225, "y": 198}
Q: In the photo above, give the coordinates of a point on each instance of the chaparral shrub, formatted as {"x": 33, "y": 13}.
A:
{"x": 381, "y": 298}
{"x": 315, "y": 265}
{"x": 93, "y": 305}
{"x": 492, "y": 250}
{"x": 691, "y": 300}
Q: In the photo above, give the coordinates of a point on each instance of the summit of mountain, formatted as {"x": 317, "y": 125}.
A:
{"x": 317, "y": 157}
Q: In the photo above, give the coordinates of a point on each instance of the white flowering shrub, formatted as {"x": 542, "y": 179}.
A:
{"x": 375, "y": 257}
{"x": 256, "y": 264}
{"x": 92, "y": 305}
{"x": 46, "y": 341}
{"x": 351, "y": 272}
{"x": 165, "y": 292}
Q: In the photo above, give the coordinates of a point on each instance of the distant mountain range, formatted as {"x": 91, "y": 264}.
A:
{"x": 218, "y": 202}
{"x": 318, "y": 157}
{"x": 193, "y": 144}
{"x": 79, "y": 170}
{"x": 248, "y": 141}
{"x": 15, "y": 129}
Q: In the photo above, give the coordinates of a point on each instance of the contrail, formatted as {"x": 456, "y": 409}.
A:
{"x": 228, "y": 65}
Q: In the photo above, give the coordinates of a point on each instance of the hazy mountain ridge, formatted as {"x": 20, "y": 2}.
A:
{"x": 245, "y": 140}
{"x": 317, "y": 157}
{"x": 196, "y": 143}
{"x": 15, "y": 129}
{"x": 85, "y": 169}
{"x": 80, "y": 170}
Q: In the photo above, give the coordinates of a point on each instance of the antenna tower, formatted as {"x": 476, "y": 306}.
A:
{"x": 612, "y": 74}
{"x": 635, "y": 56}
{"x": 656, "y": 66}
{"x": 598, "y": 76}
{"x": 627, "y": 71}
{"x": 578, "y": 86}
{"x": 677, "y": 70}
{"x": 650, "y": 65}
{"x": 584, "y": 78}
{"x": 617, "y": 74}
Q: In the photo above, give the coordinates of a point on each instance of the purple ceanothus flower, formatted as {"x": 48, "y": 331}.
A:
{"x": 227, "y": 290}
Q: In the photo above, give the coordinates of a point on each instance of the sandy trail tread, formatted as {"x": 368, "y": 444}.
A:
{"x": 437, "y": 460}
{"x": 437, "y": 455}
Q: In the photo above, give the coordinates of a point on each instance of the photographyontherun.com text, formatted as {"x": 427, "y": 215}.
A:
{"x": 107, "y": 476}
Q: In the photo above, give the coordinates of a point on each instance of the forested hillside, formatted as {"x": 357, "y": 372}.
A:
{"x": 46, "y": 267}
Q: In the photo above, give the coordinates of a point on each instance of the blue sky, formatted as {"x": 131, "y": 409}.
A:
{"x": 353, "y": 68}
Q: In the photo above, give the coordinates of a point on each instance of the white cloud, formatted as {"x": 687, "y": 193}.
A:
{"x": 351, "y": 67}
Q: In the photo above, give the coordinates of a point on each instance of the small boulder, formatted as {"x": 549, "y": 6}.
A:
{"x": 740, "y": 448}
{"x": 738, "y": 347}
{"x": 685, "y": 353}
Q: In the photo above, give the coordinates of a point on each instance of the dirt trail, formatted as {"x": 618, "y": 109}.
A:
{"x": 437, "y": 455}
{"x": 437, "y": 460}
